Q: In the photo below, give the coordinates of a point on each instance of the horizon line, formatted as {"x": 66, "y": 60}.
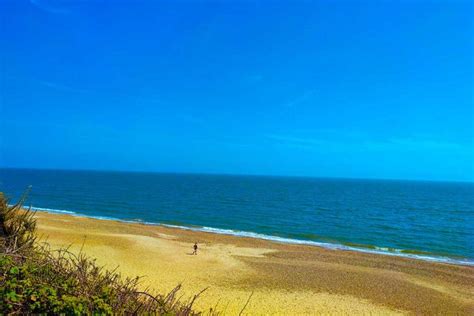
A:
{"x": 235, "y": 174}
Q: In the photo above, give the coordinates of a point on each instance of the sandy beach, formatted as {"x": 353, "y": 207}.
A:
{"x": 284, "y": 279}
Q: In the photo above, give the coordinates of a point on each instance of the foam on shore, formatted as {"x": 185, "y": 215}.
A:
{"x": 237, "y": 233}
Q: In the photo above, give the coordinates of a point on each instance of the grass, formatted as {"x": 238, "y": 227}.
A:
{"x": 37, "y": 279}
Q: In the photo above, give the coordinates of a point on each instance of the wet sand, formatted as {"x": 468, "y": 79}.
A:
{"x": 284, "y": 279}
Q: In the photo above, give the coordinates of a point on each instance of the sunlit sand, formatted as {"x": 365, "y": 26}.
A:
{"x": 284, "y": 279}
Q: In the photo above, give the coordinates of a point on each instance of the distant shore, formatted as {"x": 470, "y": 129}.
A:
{"x": 284, "y": 278}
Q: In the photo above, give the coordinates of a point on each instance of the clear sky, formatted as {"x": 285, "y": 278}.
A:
{"x": 366, "y": 89}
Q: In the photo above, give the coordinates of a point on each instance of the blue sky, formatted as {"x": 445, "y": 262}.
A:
{"x": 365, "y": 89}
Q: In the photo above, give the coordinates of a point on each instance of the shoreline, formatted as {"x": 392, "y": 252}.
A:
{"x": 372, "y": 249}
{"x": 284, "y": 278}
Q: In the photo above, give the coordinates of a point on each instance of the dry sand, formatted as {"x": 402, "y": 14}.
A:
{"x": 284, "y": 279}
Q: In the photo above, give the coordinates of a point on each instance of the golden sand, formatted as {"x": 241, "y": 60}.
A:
{"x": 284, "y": 279}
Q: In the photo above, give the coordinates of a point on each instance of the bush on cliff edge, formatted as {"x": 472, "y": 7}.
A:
{"x": 36, "y": 279}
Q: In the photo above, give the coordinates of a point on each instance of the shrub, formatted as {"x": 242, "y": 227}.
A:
{"x": 36, "y": 279}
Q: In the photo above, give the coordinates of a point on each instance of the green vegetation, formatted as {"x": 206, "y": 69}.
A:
{"x": 36, "y": 279}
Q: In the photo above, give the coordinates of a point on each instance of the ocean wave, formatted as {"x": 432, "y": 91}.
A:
{"x": 333, "y": 246}
{"x": 50, "y": 210}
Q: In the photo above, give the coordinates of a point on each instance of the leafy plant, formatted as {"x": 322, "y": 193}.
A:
{"x": 36, "y": 279}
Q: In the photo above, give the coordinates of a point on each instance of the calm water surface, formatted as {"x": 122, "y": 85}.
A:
{"x": 424, "y": 219}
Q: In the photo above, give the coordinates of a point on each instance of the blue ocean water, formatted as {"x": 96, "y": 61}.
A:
{"x": 428, "y": 220}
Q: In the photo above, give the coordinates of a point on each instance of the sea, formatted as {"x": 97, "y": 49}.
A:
{"x": 424, "y": 220}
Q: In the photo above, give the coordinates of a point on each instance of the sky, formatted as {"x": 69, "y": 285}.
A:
{"x": 353, "y": 89}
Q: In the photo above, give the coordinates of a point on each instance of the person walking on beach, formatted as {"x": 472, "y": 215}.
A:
{"x": 195, "y": 248}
